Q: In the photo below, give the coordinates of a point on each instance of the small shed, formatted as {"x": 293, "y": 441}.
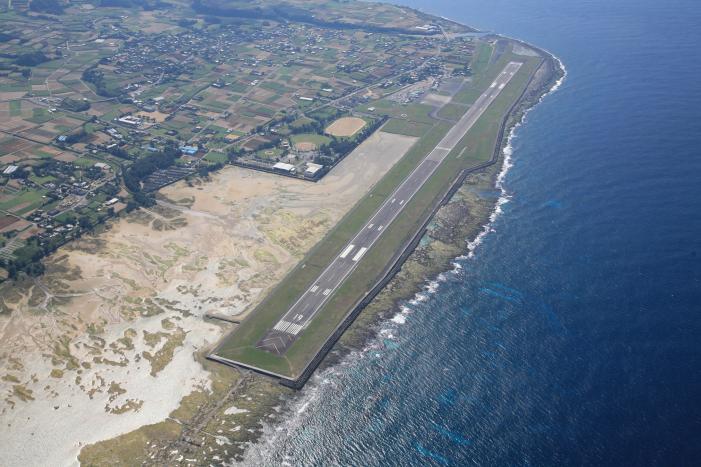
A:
{"x": 313, "y": 170}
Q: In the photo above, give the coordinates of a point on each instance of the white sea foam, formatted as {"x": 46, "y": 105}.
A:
{"x": 399, "y": 318}
{"x": 507, "y": 153}
{"x": 276, "y": 433}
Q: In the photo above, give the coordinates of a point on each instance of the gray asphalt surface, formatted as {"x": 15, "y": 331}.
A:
{"x": 283, "y": 334}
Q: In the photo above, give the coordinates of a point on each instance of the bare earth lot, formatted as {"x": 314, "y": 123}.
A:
{"x": 105, "y": 341}
{"x": 345, "y": 126}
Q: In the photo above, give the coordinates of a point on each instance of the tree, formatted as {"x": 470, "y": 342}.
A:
{"x": 53, "y": 7}
{"x": 75, "y": 105}
{"x": 32, "y": 58}
{"x": 84, "y": 222}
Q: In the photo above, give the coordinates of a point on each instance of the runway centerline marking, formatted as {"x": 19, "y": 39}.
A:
{"x": 308, "y": 304}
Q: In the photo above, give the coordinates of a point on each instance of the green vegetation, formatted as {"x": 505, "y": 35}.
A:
{"x": 75, "y": 105}
{"x": 310, "y": 138}
{"x": 452, "y": 111}
{"x": 32, "y": 59}
{"x": 241, "y": 345}
{"x": 46, "y": 6}
{"x": 404, "y": 127}
{"x": 25, "y": 201}
{"x": 40, "y": 115}
{"x": 15, "y": 108}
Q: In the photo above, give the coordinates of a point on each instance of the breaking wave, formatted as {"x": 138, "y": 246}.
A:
{"x": 274, "y": 433}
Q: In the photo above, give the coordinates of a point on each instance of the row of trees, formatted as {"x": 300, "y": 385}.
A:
{"x": 32, "y": 58}
{"x": 339, "y": 148}
{"x": 75, "y": 105}
{"x": 54, "y": 7}
{"x": 145, "y": 166}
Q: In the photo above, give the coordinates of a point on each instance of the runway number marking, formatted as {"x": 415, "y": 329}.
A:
{"x": 301, "y": 319}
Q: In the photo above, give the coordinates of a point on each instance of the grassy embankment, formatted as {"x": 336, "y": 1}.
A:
{"x": 240, "y": 345}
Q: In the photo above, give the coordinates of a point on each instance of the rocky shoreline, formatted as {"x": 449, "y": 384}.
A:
{"x": 221, "y": 423}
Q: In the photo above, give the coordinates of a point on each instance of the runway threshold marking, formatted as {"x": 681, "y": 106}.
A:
{"x": 348, "y": 249}
{"x": 359, "y": 254}
{"x": 434, "y": 158}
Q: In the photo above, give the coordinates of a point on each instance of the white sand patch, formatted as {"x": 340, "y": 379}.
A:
{"x": 240, "y": 235}
{"x": 233, "y": 410}
{"x": 66, "y": 422}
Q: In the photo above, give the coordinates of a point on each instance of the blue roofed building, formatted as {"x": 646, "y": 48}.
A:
{"x": 189, "y": 150}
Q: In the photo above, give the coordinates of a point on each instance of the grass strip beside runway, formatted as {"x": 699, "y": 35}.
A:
{"x": 479, "y": 143}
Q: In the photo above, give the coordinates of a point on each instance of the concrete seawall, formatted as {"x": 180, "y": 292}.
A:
{"x": 397, "y": 260}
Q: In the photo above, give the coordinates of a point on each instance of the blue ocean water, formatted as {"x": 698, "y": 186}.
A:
{"x": 573, "y": 335}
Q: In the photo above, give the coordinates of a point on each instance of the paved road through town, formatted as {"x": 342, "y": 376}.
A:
{"x": 283, "y": 334}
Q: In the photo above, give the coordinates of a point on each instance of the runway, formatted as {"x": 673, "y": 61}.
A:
{"x": 279, "y": 338}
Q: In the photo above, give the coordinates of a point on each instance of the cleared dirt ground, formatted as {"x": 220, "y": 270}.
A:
{"x": 105, "y": 341}
{"x": 345, "y": 126}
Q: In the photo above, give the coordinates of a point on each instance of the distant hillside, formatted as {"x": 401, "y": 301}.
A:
{"x": 372, "y": 17}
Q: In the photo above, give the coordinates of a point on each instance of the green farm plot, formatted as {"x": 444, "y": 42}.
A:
{"x": 42, "y": 180}
{"x": 275, "y": 86}
{"x": 237, "y": 87}
{"x": 14, "y": 86}
{"x": 475, "y": 148}
{"x": 221, "y": 131}
{"x": 403, "y": 127}
{"x": 40, "y": 115}
{"x": 300, "y": 122}
{"x": 85, "y": 162}
{"x": 215, "y": 105}
{"x": 24, "y": 202}
{"x": 254, "y": 110}
{"x": 15, "y": 108}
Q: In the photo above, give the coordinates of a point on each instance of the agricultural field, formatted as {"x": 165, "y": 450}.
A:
{"x": 133, "y": 92}
{"x": 476, "y": 147}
